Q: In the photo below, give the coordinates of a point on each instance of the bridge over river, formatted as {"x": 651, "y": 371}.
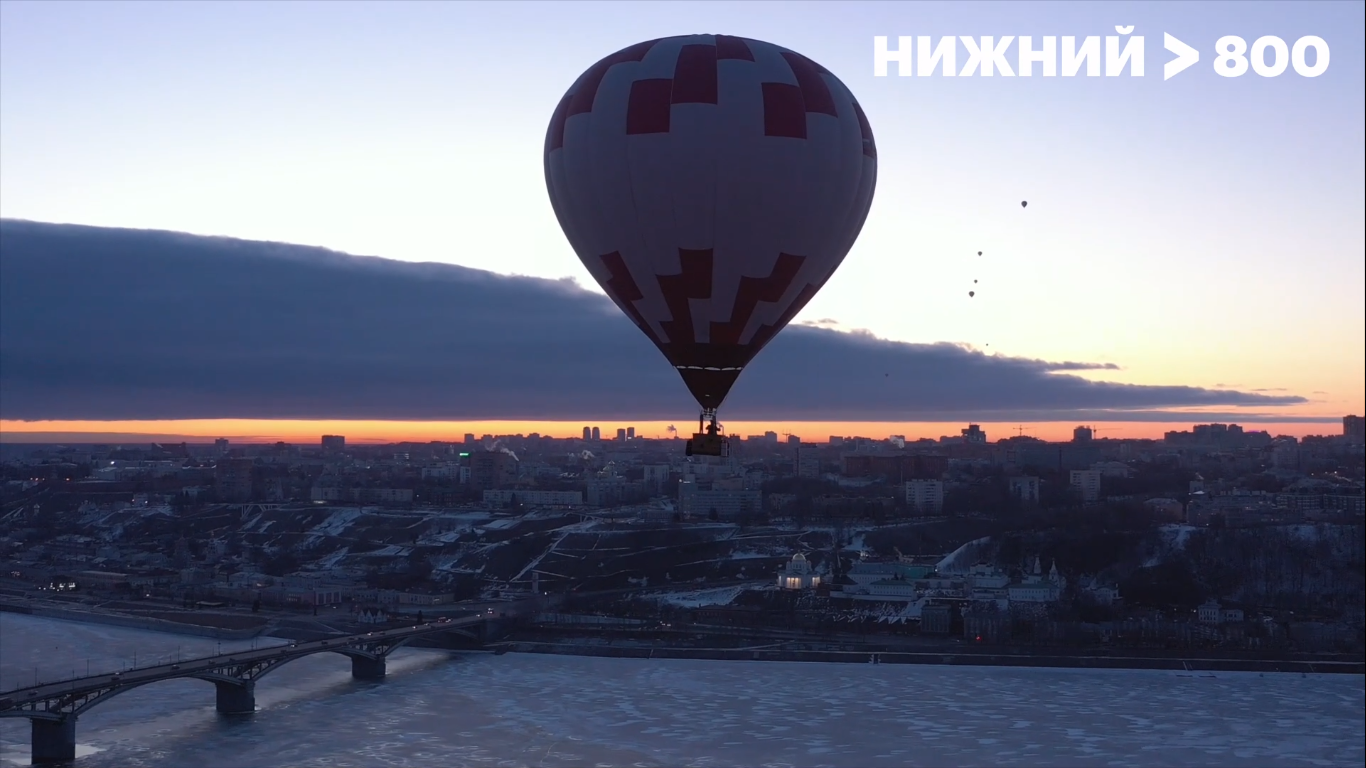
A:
{"x": 54, "y": 707}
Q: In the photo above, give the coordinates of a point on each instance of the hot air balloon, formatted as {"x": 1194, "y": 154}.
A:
{"x": 711, "y": 185}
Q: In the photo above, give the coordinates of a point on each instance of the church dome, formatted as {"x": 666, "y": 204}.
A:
{"x": 799, "y": 558}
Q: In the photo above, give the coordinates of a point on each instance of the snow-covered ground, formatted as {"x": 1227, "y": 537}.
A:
{"x": 1178, "y": 534}
{"x": 1174, "y": 538}
{"x": 337, "y": 522}
{"x": 333, "y": 559}
{"x": 1307, "y": 532}
{"x": 856, "y": 543}
{"x": 700, "y": 597}
{"x": 502, "y": 524}
{"x": 963, "y": 558}
{"x": 445, "y": 537}
{"x": 741, "y": 554}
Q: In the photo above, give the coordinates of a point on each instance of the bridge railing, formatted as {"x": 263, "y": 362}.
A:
{"x": 95, "y": 668}
{"x": 99, "y": 667}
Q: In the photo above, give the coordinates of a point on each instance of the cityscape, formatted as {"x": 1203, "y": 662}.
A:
{"x": 1011, "y": 541}
{"x": 562, "y": 384}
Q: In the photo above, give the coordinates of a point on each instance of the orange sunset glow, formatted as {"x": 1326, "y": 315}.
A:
{"x": 379, "y": 432}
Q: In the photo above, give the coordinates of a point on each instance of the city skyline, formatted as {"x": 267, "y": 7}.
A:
{"x": 259, "y": 431}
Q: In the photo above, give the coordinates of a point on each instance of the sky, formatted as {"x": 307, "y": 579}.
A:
{"x": 1204, "y": 232}
{"x": 101, "y": 325}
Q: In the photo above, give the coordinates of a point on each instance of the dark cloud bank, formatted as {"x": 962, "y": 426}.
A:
{"x": 128, "y": 324}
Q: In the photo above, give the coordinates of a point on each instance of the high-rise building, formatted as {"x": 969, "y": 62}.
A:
{"x": 656, "y": 476}
{"x": 974, "y": 434}
{"x": 896, "y": 467}
{"x": 469, "y": 438}
{"x": 221, "y": 445}
{"x": 597, "y": 434}
{"x": 1088, "y": 482}
{"x": 1025, "y": 488}
{"x": 233, "y": 479}
{"x": 1285, "y": 453}
{"x": 587, "y": 433}
{"x": 1082, "y": 435}
{"x": 334, "y": 443}
{"x": 720, "y": 504}
{"x": 1354, "y": 428}
{"x": 794, "y": 440}
{"x": 630, "y": 433}
{"x": 621, "y": 435}
{"x": 490, "y": 470}
{"x": 808, "y": 462}
{"x": 1230, "y": 435}
{"x": 925, "y": 496}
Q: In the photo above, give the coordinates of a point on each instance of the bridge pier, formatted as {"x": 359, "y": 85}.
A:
{"x": 363, "y": 668}
{"x": 236, "y": 698}
{"x": 54, "y": 741}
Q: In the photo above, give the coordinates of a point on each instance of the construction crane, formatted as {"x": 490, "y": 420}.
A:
{"x": 1020, "y": 430}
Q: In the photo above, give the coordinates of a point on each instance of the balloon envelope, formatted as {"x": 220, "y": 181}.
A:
{"x": 711, "y": 185}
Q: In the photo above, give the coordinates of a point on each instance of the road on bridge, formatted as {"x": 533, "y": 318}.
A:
{"x": 189, "y": 667}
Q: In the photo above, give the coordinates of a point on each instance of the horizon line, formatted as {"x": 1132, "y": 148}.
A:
{"x": 376, "y": 432}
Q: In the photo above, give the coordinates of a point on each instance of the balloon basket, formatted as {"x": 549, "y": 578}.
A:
{"x": 703, "y": 444}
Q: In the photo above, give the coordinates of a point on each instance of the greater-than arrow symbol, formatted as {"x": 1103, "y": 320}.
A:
{"x": 1185, "y": 56}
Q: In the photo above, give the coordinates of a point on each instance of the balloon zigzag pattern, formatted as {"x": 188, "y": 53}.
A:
{"x": 711, "y": 184}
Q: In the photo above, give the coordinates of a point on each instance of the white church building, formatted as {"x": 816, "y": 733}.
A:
{"x": 1038, "y": 588}
{"x": 797, "y": 574}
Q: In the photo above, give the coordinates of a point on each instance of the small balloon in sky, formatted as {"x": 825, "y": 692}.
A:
{"x": 979, "y": 253}
{"x": 971, "y": 294}
{"x": 1024, "y": 203}
{"x": 974, "y": 282}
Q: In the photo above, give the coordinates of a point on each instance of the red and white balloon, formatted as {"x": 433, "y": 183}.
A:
{"x": 711, "y": 185}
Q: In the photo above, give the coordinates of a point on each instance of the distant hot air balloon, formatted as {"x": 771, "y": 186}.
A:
{"x": 1024, "y": 203}
{"x": 711, "y": 185}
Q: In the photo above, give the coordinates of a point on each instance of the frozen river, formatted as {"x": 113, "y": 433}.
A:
{"x": 436, "y": 709}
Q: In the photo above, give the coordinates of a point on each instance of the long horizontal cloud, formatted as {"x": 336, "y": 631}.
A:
{"x": 128, "y": 324}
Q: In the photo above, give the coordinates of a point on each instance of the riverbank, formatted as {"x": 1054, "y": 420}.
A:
{"x": 1194, "y": 663}
{"x": 758, "y": 649}
{"x": 189, "y": 624}
{"x": 516, "y": 709}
